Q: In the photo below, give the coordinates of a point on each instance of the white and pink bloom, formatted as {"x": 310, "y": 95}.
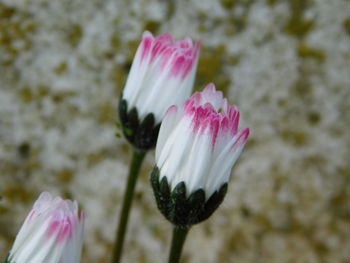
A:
{"x": 161, "y": 75}
{"x": 51, "y": 233}
{"x": 199, "y": 142}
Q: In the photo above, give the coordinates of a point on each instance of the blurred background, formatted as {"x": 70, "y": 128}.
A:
{"x": 285, "y": 63}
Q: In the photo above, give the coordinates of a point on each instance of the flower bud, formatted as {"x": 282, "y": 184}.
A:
{"x": 197, "y": 147}
{"x": 162, "y": 74}
{"x": 51, "y": 233}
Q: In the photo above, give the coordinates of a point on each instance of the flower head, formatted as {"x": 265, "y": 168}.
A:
{"x": 197, "y": 147}
{"x": 162, "y": 74}
{"x": 51, "y": 233}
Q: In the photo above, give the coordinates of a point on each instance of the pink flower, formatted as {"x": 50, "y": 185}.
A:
{"x": 51, "y": 233}
{"x": 162, "y": 74}
{"x": 199, "y": 142}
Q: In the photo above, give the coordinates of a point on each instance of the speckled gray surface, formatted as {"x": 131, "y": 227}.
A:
{"x": 284, "y": 63}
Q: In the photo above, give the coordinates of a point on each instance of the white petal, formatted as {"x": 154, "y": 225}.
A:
{"x": 39, "y": 241}
{"x": 170, "y": 119}
{"x": 199, "y": 162}
{"x": 221, "y": 170}
{"x": 175, "y": 150}
{"x": 212, "y": 96}
{"x": 152, "y": 86}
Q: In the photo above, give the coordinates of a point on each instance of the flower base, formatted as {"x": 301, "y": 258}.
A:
{"x": 142, "y": 135}
{"x": 179, "y": 209}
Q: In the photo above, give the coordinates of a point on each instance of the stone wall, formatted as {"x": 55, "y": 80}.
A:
{"x": 285, "y": 63}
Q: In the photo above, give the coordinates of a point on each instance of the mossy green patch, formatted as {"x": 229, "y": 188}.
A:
{"x": 107, "y": 113}
{"x": 346, "y": 25}
{"x": 302, "y": 87}
{"x": 235, "y": 242}
{"x": 236, "y": 22}
{"x": 171, "y": 8}
{"x": 15, "y": 29}
{"x": 119, "y": 77}
{"x": 152, "y": 26}
{"x": 207, "y": 23}
{"x": 59, "y": 97}
{"x": 130, "y": 49}
{"x": 74, "y": 34}
{"x": 212, "y": 62}
{"x": 18, "y": 193}
{"x": 3, "y": 209}
{"x": 340, "y": 200}
{"x": 305, "y": 51}
{"x": 115, "y": 41}
{"x": 235, "y": 25}
{"x": 24, "y": 150}
{"x": 297, "y": 25}
{"x": 271, "y": 2}
{"x": 251, "y": 143}
{"x": 314, "y": 161}
{"x": 61, "y": 68}
{"x": 314, "y": 117}
{"x": 6, "y": 12}
{"x": 65, "y": 176}
{"x": 42, "y": 91}
{"x": 295, "y": 137}
{"x": 282, "y": 102}
{"x": 228, "y": 4}
{"x": 26, "y": 94}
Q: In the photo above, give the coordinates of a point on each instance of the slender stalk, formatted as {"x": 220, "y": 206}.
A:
{"x": 177, "y": 242}
{"x": 134, "y": 170}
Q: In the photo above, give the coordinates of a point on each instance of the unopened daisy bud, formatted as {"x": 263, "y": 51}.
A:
{"x": 161, "y": 75}
{"x": 51, "y": 233}
{"x": 197, "y": 147}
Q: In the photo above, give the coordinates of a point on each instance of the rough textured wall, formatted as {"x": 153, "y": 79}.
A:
{"x": 284, "y": 63}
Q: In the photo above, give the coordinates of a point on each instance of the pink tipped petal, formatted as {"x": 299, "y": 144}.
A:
{"x": 234, "y": 120}
{"x": 209, "y": 90}
{"x": 205, "y": 110}
{"x": 147, "y": 34}
{"x": 178, "y": 65}
{"x": 204, "y": 144}
{"x": 51, "y": 225}
{"x": 31, "y": 215}
{"x": 214, "y": 130}
{"x": 162, "y": 68}
{"x": 211, "y": 95}
{"x": 53, "y": 228}
{"x": 242, "y": 138}
{"x": 146, "y": 47}
{"x": 165, "y": 39}
{"x": 185, "y": 44}
{"x": 66, "y": 232}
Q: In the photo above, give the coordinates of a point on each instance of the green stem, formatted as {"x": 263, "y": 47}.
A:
{"x": 179, "y": 237}
{"x": 134, "y": 170}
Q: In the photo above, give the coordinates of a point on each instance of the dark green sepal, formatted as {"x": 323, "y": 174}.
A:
{"x": 197, "y": 203}
{"x": 123, "y": 109}
{"x": 142, "y": 135}
{"x": 178, "y": 205}
{"x": 214, "y": 202}
{"x": 161, "y": 191}
{"x": 179, "y": 209}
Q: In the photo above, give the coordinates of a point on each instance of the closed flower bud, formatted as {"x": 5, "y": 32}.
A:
{"x": 197, "y": 147}
{"x": 162, "y": 74}
{"x": 51, "y": 233}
